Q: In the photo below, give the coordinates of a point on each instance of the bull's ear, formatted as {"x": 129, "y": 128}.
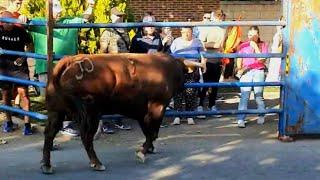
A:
{"x": 180, "y": 60}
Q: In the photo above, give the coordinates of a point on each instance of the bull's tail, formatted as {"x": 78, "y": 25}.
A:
{"x": 59, "y": 69}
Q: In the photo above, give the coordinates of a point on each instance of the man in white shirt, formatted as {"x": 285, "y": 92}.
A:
{"x": 213, "y": 39}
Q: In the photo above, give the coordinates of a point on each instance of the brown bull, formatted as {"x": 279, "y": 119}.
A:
{"x": 84, "y": 87}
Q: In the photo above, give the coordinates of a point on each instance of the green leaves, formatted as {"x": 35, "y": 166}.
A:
{"x": 89, "y": 38}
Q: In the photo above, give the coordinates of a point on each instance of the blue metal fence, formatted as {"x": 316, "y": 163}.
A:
{"x": 145, "y": 24}
{"x": 194, "y": 85}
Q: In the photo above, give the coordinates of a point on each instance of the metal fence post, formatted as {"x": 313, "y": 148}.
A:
{"x": 282, "y": 116}
{"x": 50, "y": 24}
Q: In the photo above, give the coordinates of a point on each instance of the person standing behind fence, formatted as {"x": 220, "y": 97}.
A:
{"x": 65, "y": 42}
{"x": 148, "y": 41}
{"x": 233, "y": 40}
{"x": 17, "y": 39}
{"x": 166, "y": 38}
{"x": 213, "y": 39}
{"x": 14, "y": 7}
{"x": 115, "y": 40}
{"x": 275, "y": 63}
{"x": 186, "y": 44}
{"x": 251, "y": 70}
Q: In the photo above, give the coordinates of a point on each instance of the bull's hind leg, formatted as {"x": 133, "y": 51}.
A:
{"x": 53, "y": 126}
{"x": 89, "y": 127}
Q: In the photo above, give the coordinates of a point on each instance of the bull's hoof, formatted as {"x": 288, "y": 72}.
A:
{"x": 98, "y": 167}
{"x": 55, "y": 147}
{"x": 97, "y": 136}
{"x": 285, "y": 138}
{"x": 46, "y": 169}
{"x": 151, "y": 150}
{"x": 140, "y": 157}
{"x": 139, "y": 149}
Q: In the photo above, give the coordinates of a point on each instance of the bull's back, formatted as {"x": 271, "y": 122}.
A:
{"x": 159, "y": 74}
{"x": 118, "y": 78}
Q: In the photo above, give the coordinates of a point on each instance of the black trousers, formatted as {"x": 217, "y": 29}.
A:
{"x": 212, "y": 75}
{"x": 229, "y": 71}
{"x": 189, "y": 95}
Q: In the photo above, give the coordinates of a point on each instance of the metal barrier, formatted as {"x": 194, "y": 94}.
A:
{"x": 194, "y": 85}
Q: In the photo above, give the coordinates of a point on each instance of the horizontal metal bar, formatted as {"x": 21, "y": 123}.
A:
{"x": 28, "y": 54}
{"x": 30, "y": 23}
{"x": 22, "y": 54}
{"x": 12, "y": 20}
{"x": 187, "y": 85}
{"x": 22, "y": 81}
{"x": 23, "y": 112}
{"x": 230, "y": 55}
{"x": 206, "y": 55}
{"x": 170, "y": 24}
{"x": 221, "y": 112}
{"x": 144, "y": 24}
{"x": 172, "y": 113}
{"x": 233, "y": 84}
{"x": 167, "y": 114}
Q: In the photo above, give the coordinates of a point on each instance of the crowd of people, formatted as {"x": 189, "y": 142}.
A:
{"x": 192, "y": 40}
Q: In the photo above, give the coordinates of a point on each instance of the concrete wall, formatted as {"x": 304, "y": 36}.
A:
{"x": 3, "y": 3}
{"x": 254, "y": 10}
{"x": 175, "y": 10}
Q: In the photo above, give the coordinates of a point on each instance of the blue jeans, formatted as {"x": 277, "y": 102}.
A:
{"x": 251, "y": 76}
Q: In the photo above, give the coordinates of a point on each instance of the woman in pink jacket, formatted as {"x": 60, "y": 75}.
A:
{"x": 251, "y": 70}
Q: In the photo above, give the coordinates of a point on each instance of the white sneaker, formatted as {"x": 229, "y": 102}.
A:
{"x": 214, "y": 108}
{"x": 241, "y": 124}
{"x": 176, "y": 121}
{"x": 260, "y": 120}
{"x": 200, "y": 109}
{"x": 190, "y": 121}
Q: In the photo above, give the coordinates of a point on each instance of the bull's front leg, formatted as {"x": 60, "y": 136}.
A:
{"x": 88, "y": 129}
{"x": 150, "y": 127}
{"x": 151, "y": 134}
{"x": 53, "y": 126}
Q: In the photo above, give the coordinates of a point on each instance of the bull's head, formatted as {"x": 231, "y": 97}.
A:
{"x": 184, "y": 68}
{"x": 181, "y": 63}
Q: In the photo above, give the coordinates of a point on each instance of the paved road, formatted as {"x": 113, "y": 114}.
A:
{"x": 214, "y": 149}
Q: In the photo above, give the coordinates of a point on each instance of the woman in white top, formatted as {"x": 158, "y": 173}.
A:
{"x": 186, "y": 44}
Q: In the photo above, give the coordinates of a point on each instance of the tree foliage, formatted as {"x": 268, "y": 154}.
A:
{"x": 75, "y": 8}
